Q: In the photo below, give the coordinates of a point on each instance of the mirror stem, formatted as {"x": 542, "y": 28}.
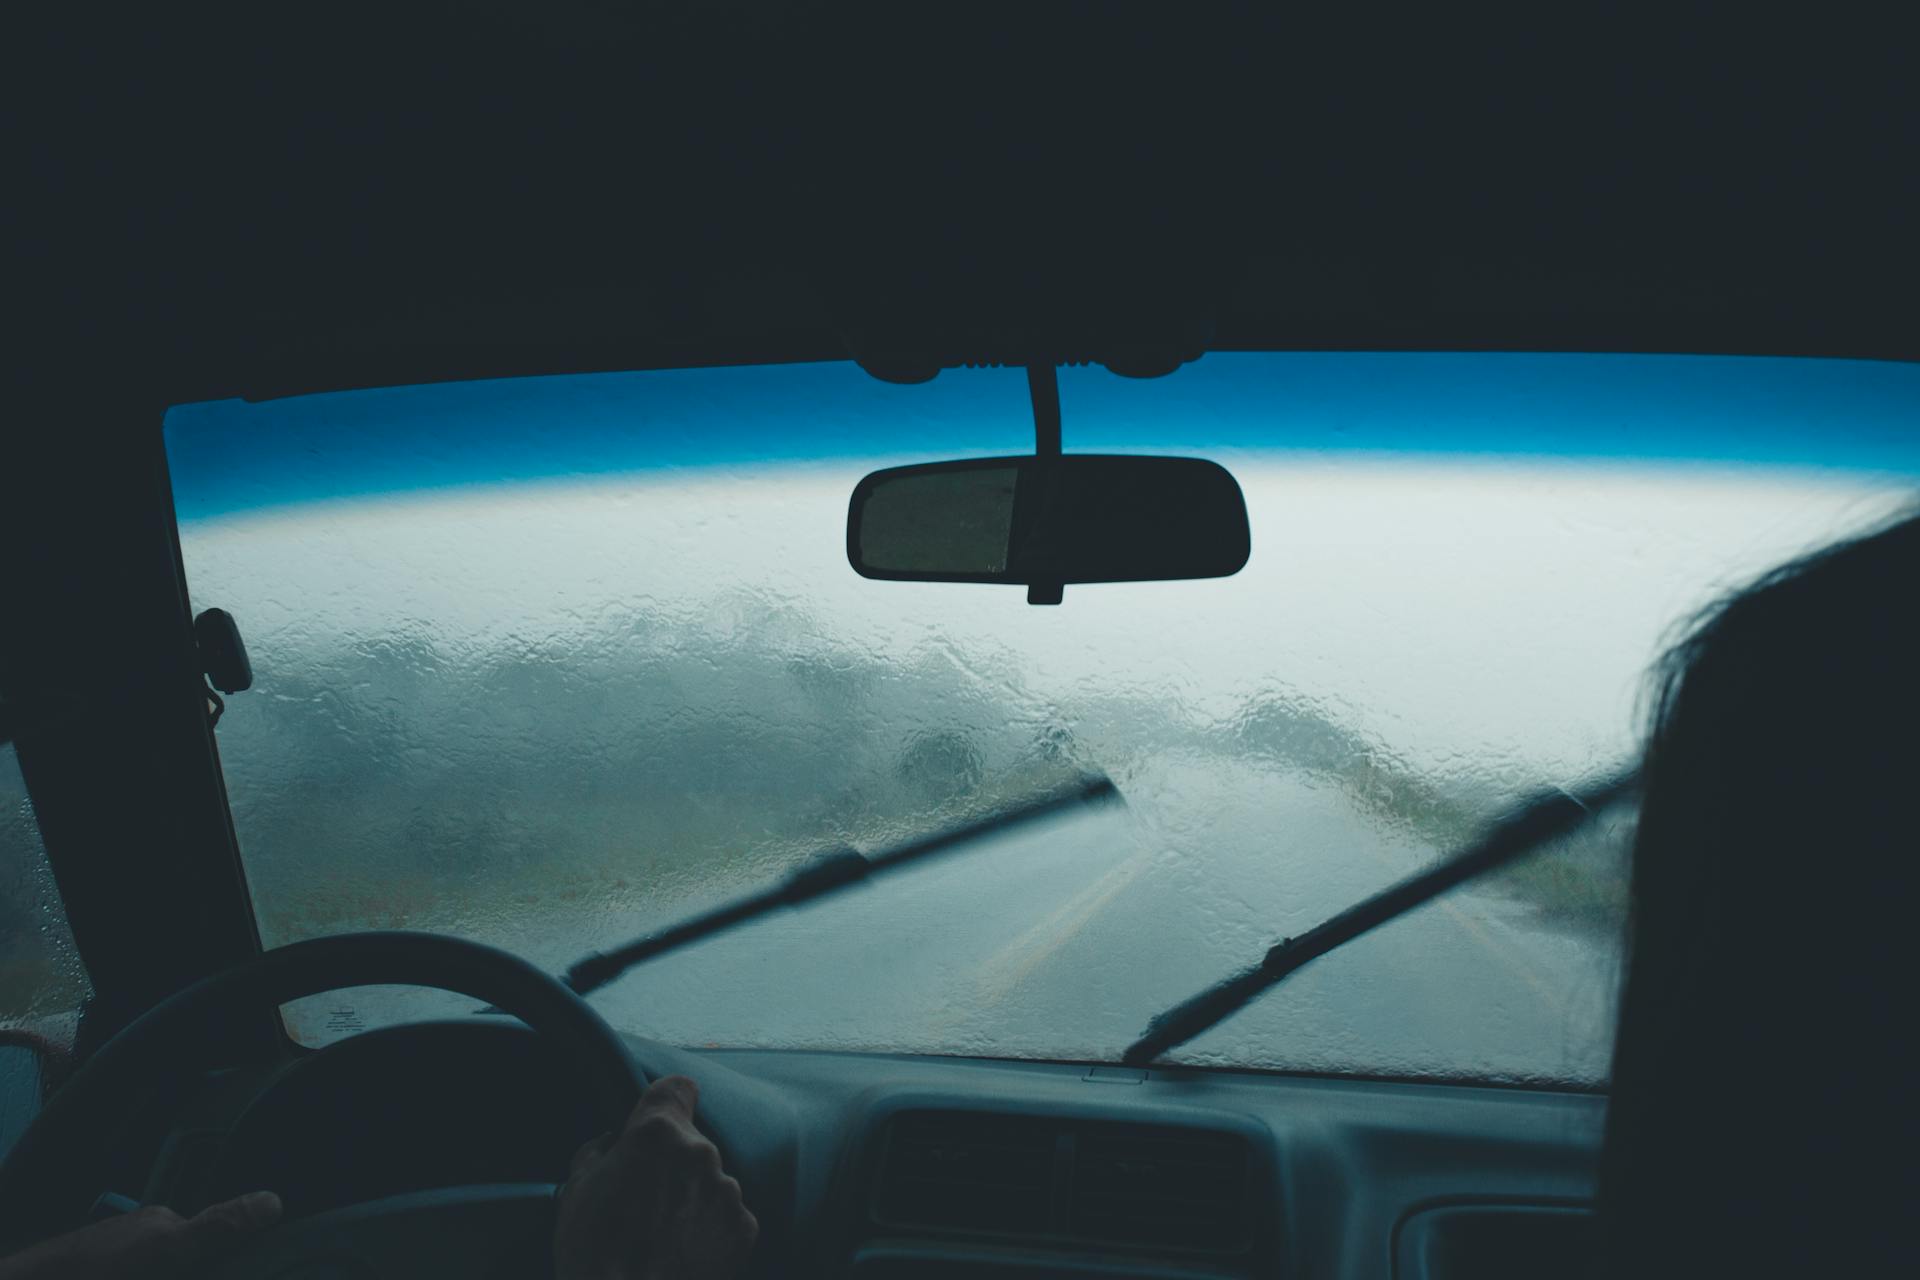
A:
{"x": 1043, "y": 384}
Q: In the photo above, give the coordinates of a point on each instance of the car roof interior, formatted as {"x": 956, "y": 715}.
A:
{"x": 235, "y": 204}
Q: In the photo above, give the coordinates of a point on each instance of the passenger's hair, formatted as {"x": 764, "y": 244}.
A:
{"x": 1764, "y": 1089}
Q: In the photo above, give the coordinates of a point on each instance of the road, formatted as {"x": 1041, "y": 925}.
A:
{"x": 1062, "y": 939}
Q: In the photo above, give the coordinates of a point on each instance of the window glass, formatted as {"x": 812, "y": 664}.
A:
{"x": 551, "y": 663}
{"x": 42, "y": 982}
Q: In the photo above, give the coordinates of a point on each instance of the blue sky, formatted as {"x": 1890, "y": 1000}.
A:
{"x": 231, "y": 456}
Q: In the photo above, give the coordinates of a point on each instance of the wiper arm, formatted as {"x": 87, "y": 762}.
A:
{"x": 825, "y": 874}
{"x": 1546, "y": 817}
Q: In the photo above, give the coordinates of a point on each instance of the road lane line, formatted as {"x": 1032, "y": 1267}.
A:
{"x": 1478, "y": 932}
{"x": 1012, "y": 963}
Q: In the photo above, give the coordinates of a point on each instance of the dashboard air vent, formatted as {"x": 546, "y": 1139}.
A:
{"x": 971, "y": 1172}
{"x": 1174, "y": 1188}
{"x": 1073, "y": 1181}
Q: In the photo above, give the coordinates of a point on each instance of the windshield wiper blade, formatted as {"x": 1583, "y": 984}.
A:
{"x": 1546, "y": 817}
{"x": 824, "y": 874}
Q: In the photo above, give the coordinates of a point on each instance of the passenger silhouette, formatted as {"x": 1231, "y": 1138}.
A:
{"x": 1763, "y": 1112}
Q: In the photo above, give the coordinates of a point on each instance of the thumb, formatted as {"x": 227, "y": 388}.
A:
{"x": 219, "y": 1227}
{"x": 669, "y": 1093}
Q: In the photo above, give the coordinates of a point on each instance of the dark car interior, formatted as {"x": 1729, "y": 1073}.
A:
{"x": 237, "y": 202}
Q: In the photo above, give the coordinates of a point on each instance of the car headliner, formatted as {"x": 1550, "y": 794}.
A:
{"x": 262, "y": 211}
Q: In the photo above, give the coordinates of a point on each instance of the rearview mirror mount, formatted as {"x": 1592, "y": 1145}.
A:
{"x": 1044, "y": 521}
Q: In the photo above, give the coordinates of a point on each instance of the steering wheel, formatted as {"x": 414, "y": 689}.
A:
{"x": 44, "y": 1181}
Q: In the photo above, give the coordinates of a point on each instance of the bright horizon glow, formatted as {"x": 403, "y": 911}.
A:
{"x": 1800, "y": 414}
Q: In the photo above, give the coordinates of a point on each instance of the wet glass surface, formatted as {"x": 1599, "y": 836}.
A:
{"x": 42, "y": 981}
{"x": 557, "y": 712}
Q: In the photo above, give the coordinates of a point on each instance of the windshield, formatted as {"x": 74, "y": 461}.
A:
{"x": 553, "y": 662}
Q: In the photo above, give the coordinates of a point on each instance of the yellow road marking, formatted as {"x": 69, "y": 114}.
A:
{"x": 1014, "y": 962}
{"x": 1020, "y": 957}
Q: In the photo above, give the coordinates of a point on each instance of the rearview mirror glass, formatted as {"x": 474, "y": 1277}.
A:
{"x": 1047, "y": 520}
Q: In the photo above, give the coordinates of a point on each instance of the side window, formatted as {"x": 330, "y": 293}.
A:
{"x": 42, "y": 982}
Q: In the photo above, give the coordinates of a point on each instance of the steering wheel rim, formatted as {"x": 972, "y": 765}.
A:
{"x": 43, "y": 1179}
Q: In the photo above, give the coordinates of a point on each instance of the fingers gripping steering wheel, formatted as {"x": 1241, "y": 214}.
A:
{"x": 50, "y": 1177}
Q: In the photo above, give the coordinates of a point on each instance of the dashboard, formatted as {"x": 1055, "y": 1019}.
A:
{"x": 878, "y": 1166}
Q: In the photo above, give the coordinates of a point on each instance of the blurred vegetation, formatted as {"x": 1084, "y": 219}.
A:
{"x": 1580, "y": 883}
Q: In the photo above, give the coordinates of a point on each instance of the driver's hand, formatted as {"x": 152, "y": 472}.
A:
{"x": 154, "y": 1243}
{"x": 651, "y": 1201}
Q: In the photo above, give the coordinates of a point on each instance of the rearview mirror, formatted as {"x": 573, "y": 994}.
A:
{"x": 1048, "y": 520}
